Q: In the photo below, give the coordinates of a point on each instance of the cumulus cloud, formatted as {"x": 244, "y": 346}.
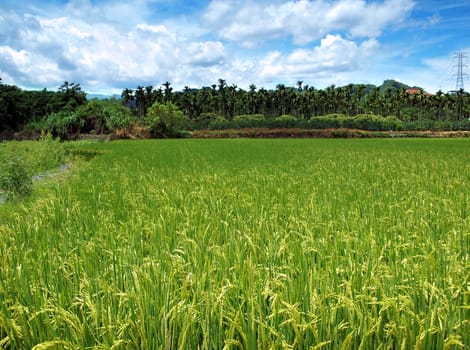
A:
{"x": 206, "y": 53}
{"x": 109, "y": 45}
{"x": 334, "y": 55}
{"x": 49, "y": 50}
{"x": 306, "y": 21}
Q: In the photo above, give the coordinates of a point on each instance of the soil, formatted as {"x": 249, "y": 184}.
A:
{"x": 143, "y": 133}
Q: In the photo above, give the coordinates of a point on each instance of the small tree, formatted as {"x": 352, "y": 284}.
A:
{"x": 165, "y": 119}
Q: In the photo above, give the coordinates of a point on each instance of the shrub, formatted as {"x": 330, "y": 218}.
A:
{"x": 205, "y": 119}
{"x": 362, "y": 121}
{"x": 102, "y": 116}
{"x": 393, "y": 123}
{"x": 326, "y": 122}
{"x": 92, "y": 116}
{"x": 15, "y": 180}
{"x": 248, "y": 121}
{"x": 61, "y": 124}
{"x": 165, "y": 119}
{"x": 249, "y": 117}
{"x": 96, "y": 116}
{"x": 285, "y": 121}
{"x": 219, "y": 123}
{"x": 117, "y": 116}
{"x": 445, "y": 125}
{"x": 45, "y": 154}
{"x": 19, "y": 161}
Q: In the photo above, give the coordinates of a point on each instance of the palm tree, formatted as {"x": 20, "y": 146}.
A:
{"x": 149, "y": 97}
{"x": 262, "y": 101}
{"x": 252, "y": 98}
{"x": 127, "y": 97}
{"x": 140, "y": 100}
{"x": 221, "y": 91}
{"x": 168, "y": 91}
{"x": 280, "y": 96}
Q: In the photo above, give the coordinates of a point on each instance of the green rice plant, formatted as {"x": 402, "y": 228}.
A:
{"x": 296, "y": 243}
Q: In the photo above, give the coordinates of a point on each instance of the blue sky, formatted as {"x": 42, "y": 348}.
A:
{"x": 107, "y": 46}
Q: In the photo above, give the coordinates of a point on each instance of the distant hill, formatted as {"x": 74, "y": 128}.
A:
{"x": 392, "y": 85}
{"x": 101, "y": 97}
{"x": 396, "y": 85}
{"x": 388, "y": 84}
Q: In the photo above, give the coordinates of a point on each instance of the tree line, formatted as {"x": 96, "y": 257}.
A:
{"x": 162, "y": 110}
{"x": 19, "y": 107}
{"x": 304, "y": 101}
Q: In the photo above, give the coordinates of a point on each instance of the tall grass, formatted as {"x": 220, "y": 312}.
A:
{"x": 19, "y": 161}
{"x": 324, "y": 244}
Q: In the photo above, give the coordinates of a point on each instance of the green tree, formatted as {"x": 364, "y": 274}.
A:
{"x": 168, "y": 92}
{"x": 71, "y": 95}
{"x": 165, "y": 120}
{"x": 128, "y": 99}
{"x": 140, "y": 100}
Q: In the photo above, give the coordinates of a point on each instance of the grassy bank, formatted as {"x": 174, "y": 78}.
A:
{"x": 244, "y": 244}
{"x": 20, "y": 161}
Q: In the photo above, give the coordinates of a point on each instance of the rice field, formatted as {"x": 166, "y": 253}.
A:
{"x": 244, "y": 244}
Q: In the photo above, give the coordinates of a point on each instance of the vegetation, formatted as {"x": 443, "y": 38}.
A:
{"x": 20, "y": 161}
{"x": 18, "y": 107}
{"x": 165, "y": 119}
{"x": 391, "y": 106}
{"x": 14, "y": 178}
{"x": 304, "y": 102}
{"x": 97, "y": 116}
{"x": 167, "y": 244}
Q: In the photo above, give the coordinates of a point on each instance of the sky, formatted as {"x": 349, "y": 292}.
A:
{"x": 109, "y": 45}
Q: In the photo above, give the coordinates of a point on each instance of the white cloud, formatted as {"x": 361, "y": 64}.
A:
{"x": 22, "y": 65}
{"x": 334, "y": 55}
{"x": 206, "y": 53}
{"x": 100, "y": 55}
{"x": 108, "y": 45}
{"x": 49, "y": 50}
{"x": 306, "y": 21}
{"x": 159, "y": 28}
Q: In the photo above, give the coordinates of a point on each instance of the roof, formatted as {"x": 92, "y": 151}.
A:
{"x": 413, "y": 91}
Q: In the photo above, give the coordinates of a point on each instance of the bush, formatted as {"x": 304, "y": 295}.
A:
{"x": 117, "y": 116}
{"x": 61, "y": 124}
{"x": 102, "y": 116}
{"x": 96, "y": 116}
{"x": 205, "y": 119}
{"x": 326, "y": 122}
{"x": 285, "y": 121}
{"x": 19, "y": 161}
{"x": 45, "y": 154}
{"x": 362, "y": 121}
{"x": 92, "y": 116}
{"x": 15, "y": 180}
{"x": 249, "y": 117}
{"x": 248, "y": 121}
{"x": 165, "y": 120}
{"x": 219, "y": 123}
{"x": 444, "y": 125}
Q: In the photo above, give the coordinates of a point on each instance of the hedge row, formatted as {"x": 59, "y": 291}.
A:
{"x": 333, "y": 121}
{"x": 367, "y": 122}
